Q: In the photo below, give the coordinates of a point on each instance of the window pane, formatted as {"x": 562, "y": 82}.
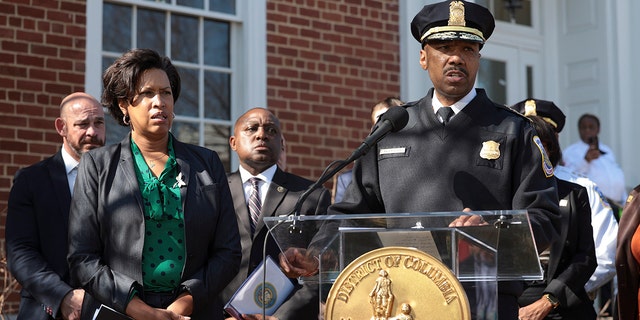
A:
{"x": 199, "y": 4}
{"x": 184, "y": 38}
{"x": 106, "y": 62}
{"x": 115, "y": 132}
{"x": 216, "y": 138}
{"x": 226, "y": 6}
{"x": 216, "y": 43}
{"x": 493, "y": 78}
{"x": 187, "y": 104}
{"x": 151, "y": 30}
{"x": 161, "y": 1}
{"x": 185, "y": 132}
{"x": 116, "y": 28}
{"x": 521, "y": 9}
{"x": 217, "y": 92}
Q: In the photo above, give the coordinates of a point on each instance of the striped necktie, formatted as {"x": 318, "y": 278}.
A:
{"x": 255, "y": 205}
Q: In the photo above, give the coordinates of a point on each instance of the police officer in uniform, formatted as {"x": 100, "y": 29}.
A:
{"x": 474, "y": 154}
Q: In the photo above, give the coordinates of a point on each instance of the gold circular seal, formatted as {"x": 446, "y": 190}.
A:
{"x": 397, "y": 283}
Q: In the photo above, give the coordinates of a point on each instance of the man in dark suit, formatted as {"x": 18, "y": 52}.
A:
{"x": 38, "y": 214}
{"x": 258, "y": 143}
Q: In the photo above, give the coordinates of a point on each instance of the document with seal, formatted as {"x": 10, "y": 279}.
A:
{"x": 259, "y": 291}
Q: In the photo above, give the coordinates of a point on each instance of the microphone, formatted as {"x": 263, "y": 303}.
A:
{"x": 393, "y": 120}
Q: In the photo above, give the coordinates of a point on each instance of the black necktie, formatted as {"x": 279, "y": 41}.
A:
{"x": 255, "y": 204}
{"x": 445, "y": 113}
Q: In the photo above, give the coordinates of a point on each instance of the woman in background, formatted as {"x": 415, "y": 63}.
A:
{"x": 571, "y": 260}
{"x": 628, "y": 258}
{"x": 153, "y": 232}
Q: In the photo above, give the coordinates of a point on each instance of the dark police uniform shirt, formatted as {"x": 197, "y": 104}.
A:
{"x": 486, "y": 158}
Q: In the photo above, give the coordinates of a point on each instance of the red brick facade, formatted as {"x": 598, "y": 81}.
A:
{"x": 328, "y": 62}
{"x": 42, "y": 57}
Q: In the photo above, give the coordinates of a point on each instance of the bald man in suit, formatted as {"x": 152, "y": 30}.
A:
{"x": 257, "y": 140}
{"x": 38, "y": 214}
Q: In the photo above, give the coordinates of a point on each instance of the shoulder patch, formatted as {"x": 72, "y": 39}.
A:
{"x": 547, "y": 167}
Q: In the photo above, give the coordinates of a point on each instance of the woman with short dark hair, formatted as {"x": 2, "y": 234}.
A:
{"x": 153, "y": 232}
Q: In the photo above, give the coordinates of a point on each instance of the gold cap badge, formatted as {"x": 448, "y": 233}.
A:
{"x": 453, "y": 20}
{"x": 530, "y": 108}
{"x": 456, "y": 26}
{"x": 456, "y": 14}
{"x": 490, "y": 150}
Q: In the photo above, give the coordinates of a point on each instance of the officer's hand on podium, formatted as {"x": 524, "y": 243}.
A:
{"x": 468, "y": 220}
{"x": 297, "y": 262}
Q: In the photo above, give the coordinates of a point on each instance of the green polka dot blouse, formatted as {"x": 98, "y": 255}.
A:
{"x": 164, "y": 249}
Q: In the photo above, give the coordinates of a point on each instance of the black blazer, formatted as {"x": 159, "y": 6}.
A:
{"x": 284, "y": 191}
{"x": 572, "y": 258}
{"x": 36, "y": 236}
{"x": 106, "y": 228}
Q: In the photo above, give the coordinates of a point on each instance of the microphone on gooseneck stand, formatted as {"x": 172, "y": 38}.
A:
{"x": 393, "y": 120}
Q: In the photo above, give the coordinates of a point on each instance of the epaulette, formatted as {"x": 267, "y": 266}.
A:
{"x": 502, "y": 106}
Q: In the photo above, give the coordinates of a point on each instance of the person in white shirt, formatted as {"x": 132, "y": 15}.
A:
{"x": 605, "y": 229}
{"x": 603, "y": 222}
{"x": 596, "y": 160}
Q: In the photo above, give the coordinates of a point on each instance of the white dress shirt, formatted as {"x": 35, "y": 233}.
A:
{"x": 266, "y": 177}
{"x": 71, "y": 168}
{"x": 456, "y": 107}
{"x": 604, "y": 171}
{"x": 605, "y": 228}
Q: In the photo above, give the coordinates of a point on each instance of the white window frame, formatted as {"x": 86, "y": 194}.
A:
{"x": 248, "y": 49}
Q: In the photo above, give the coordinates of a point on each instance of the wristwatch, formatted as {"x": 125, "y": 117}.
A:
{"x": 553, "y": 300}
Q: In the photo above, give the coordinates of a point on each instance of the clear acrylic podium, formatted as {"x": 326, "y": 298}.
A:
{"x": 502, "y": 249}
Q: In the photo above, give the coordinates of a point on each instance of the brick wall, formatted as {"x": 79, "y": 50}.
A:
{"x": 328, "y": 63}
{"x": 42, "y": 54}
